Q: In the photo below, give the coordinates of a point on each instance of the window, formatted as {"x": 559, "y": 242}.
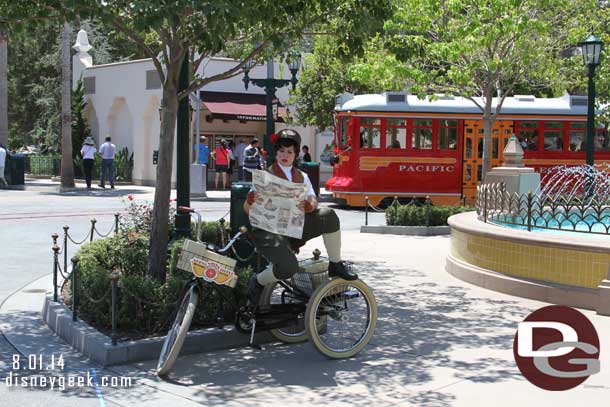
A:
{"x": 528, "y": 135}
{"x": 369, "y": 132}
{"x": 447, "y": 134}
{"x": 152, "y": 79}
{"x": 553, "y": 136}
{"x": 343, "y": 132}
{"x": 577, "y": 136}
{"x": 89, "y": 85}
{"x": 602, "y": 140}
{"x": 396, "y": 133}
{"x": 421, "y": 136}
{"x": 468, "y": 147}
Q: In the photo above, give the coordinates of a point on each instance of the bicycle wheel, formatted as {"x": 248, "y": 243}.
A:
{"x": 349, "y": 310}
{"x": 276, "y": 294}
{"x": 176, "y": 335}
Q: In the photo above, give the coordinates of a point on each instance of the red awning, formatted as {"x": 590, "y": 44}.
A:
{"x": 237, "y": 106}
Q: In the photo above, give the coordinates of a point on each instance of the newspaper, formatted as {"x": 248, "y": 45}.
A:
{"x": 276, "y": 209}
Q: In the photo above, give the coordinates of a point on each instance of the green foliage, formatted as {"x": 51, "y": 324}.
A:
{"x": 80, "y": 128}
{"x": 421, "y": 215}
{"x": 123, "y": 164}
{"x": 34, "y": 78}
{"x": 145, "y": 306}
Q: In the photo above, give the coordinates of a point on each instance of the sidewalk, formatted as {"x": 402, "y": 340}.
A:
{"x": 439, "y": 342}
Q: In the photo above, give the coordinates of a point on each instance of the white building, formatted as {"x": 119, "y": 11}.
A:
{"x": 124, "y": 98}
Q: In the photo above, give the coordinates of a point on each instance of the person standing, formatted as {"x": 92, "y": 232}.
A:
{"x": 88, "y": 153}
{"x": 239, "y": 156}
{"x": 107, "y": 151}
{"x": 3, "y": 154}
{"x": 222, "y": 155}
{"x": 306, "y": 155}
{"x": 252, "y": 159}
{"x": 204, "y": 150}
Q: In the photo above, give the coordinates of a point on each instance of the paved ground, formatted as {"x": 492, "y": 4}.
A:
{"x": 439, "y": 341}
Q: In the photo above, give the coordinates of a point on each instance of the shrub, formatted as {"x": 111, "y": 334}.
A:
{"x": 145, "y": 306}
{"x": 421, "y": 215}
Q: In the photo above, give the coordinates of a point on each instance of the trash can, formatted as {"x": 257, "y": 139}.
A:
{"x": 16, "y": 169}
{"x": 244, "y": 249}
{"x": 312, "y": 169}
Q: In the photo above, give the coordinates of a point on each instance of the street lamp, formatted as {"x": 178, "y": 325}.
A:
{"x": 591, "y": 49}
{"x": 270, "y": 84}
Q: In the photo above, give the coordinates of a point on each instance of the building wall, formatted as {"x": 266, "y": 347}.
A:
{"x": 124, "y": 109}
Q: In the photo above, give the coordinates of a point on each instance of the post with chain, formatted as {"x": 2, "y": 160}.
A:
{"x": 114, "y": 277}
{"x": 484, "y": 203}
{"x": 74, "y": 273}
{"x": 93, "y": 222}
{"x": 366, "y": 211}
{"x": 427, "y": 204}
{"x": 529, "y": 211}
{"x": 66, "y": 228}
{"x": 116, "y": 223}
{"x": 55, "y": 249}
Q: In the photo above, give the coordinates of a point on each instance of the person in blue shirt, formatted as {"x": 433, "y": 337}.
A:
{"x": 204, "y": 151}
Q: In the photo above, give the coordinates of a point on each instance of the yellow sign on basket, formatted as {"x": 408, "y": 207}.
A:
{"x": 213, "y": 272}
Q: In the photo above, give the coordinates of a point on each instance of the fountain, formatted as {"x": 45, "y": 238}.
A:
{"x": 547, "y": 240}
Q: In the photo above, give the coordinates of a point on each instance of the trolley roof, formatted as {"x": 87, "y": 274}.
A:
{"x": 516, "y": 105}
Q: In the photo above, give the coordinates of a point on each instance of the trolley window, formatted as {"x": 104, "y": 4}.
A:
{"x": 343, "y": 132}
{"x": 396, "y": 133}
{"x": 577, "y": 136}
{"x": 370, "y": 130}
{"x": 602, "y": 140}
{"x": 528, "y": 135}
{"x": 447, "y": 134}
{"x": 553, "y": 136}
{"x": 421, "y": 136}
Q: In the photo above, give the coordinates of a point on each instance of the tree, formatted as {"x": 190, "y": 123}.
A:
{"x": 164, "y": 31}
{"x": 67, "y": 164}
{"x": 482, "y": 49}
{"x": 3, "y": 85}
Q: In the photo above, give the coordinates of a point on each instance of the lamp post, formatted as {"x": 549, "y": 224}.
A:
{"x": 270, "y": 84}
{"x": 183, "y": 220}
{"x": 591, "y": 50}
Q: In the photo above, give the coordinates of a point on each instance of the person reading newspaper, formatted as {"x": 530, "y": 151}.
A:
{"x": 279, "y": 249}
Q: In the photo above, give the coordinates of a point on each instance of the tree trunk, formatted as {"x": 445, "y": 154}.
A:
{"x": 67, "y": 166}
{"x": 3, "y": 86}
{"x": 487, "y": 125}
{"x": 157, "y": 257}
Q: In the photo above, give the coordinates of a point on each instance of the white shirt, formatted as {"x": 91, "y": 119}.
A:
{"x": 240, "y": 153}
{"x": 288, "y": 172}
{"x": 88, "y": 152}
{"x": 2, "y": 159}
{"x": 107, "y": 150}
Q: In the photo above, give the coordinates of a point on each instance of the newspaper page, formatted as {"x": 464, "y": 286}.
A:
{"x": 276, "y": 210}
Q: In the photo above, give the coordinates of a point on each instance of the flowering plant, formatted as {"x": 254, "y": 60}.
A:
{"x": 274, "y": 137}
{"x": 137, "y": 217}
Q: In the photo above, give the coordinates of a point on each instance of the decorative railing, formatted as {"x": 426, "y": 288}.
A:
{"x": 534, "y": 211}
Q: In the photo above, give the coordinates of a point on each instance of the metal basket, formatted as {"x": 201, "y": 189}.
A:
{"x": 308, "y": 281}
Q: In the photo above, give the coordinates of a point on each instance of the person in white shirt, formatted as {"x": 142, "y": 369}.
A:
{"x": 107, "y": 151}
{"x": 239, "y": 156}
{"x": 88, "y": 153}
{"x": 3, "y": 153}
{"x": 280, "y": 250}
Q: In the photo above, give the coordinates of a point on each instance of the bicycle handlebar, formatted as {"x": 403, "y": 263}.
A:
{"x": 242, "y": 230}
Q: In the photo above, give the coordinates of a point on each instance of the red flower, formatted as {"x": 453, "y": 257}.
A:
{"x": 130, "y": 197}
{"x": 274, "y": 138}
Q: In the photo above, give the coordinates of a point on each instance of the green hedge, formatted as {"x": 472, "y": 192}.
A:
{"x": 421, "y": 215}
{"x": 145, "y": 305}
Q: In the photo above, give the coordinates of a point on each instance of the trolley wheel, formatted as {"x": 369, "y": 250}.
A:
{"x": 276, "y": 294}
{"x": 176, "y": 335}
{"x": 349, "y": 312}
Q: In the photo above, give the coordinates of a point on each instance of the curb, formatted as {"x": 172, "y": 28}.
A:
{"x": 407, "y": 230}
{"x": 87, "y": 340}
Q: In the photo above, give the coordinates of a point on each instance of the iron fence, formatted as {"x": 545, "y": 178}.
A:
{"x": 535, "y": 211}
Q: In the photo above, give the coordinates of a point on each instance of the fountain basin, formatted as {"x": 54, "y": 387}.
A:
{"x": 551, "y": 267}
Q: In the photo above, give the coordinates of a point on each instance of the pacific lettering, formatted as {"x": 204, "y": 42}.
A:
{"x": 425, "y": 168}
